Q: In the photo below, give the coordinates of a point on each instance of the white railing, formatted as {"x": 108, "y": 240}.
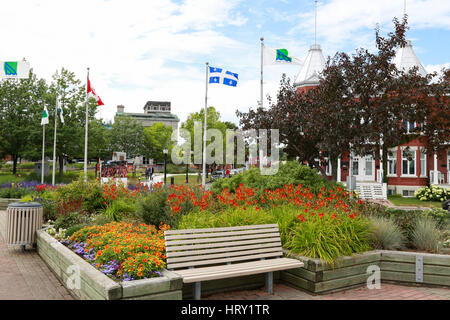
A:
{"x": 440, "y": 177}
{"x": 380, "y": 175}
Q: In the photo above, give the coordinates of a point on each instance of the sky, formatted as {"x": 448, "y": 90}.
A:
{"x": 157, "y": 49}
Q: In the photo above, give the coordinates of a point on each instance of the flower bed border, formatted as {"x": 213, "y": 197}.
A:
{"x": 94, "y": 285}
{"x": 4, "y": 202}
{"x": 315, "y": 277}
{"x": 395, "y": 266}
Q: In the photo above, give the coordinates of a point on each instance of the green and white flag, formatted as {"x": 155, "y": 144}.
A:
{"x": 14, "y": 69}
{"x": 60, "y": 110}
{"x": 279, "y": 56}
{"x": 44, "y": 119}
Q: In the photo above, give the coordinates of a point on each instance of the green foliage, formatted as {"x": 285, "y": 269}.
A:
{"x": 74, "y": 228}
{"x": 14, "y": 192}
{"x": 118, "y": 209}
{"x": 433, "y": 193}
{"x": 91, "y": 194}
{"x": 156, "y": 138}
{"x": 385, "y": 234}
{"x": 67, "y": 221}
{"x": 290, "y": 173}
{"x": 330, "y": 239}
{"x": 127, "y": 135}
{"x": 154, "y": 209}
{"x": 441, "y": 216}
{"x": 426, "y": 235}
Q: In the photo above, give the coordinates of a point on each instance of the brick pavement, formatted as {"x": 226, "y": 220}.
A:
{"x": 24, "y": 276}
{"x": 387, "y": 291}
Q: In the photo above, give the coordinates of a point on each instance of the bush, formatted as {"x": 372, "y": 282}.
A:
{"x": 426, "y": 235}
{"x": 432, "y": 193}
{"x": 154, "y": 209}
{"x": 441, "y": 216}
{"x": 90, "y": 193}
{"x": 67, "y": 221}
{"x": 385, "y": 234}
{"x": 290, "y": 173}
{"x": 119, "y": 208}
{"x": 14, "y": 191}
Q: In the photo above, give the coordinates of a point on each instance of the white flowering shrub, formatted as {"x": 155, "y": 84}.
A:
{"x": 433, "y": 193}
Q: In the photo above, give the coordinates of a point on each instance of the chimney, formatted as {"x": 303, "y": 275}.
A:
{"x": 120, "y": 108}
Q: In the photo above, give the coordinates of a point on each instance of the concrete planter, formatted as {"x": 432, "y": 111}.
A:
{"x": 395, "y": 266}
{"x": 94, "y": 285}
{"x": 5, "y": 201}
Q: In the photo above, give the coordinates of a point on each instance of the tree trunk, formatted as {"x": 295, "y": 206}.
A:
{"x": 15, "y": 157}
{"x": 321, "y": 170}
{"x": 61, "y": 165}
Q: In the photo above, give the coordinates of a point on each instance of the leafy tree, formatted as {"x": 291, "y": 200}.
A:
{"x": 127, "y": 135}
{"x": 156, "y": 138}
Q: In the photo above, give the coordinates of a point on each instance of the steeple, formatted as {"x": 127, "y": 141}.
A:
{"x": 405, "y": 59}
{"x": 314, "y": 62}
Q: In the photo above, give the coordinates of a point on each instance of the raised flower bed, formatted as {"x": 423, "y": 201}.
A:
{"x": 93, "y": 284}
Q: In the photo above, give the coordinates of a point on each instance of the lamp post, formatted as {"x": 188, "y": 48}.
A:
{"x": 166, "y": 151}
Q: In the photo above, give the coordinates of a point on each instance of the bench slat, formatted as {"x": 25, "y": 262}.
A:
{"x": 185, "y": 231}
{"x": 222, "y": 239}
{"x": 242, "y": 271}
{"x": 224, "y": 260}
{"x": 241, "y": 254}
{"x": 223, "y": 249}
{"x": 177, "y": 249}
{"x": 235, "y": 266}
{"x": 219, "y": 234}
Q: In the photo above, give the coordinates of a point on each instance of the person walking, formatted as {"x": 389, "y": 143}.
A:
{"x": 147, "y": 173}
{"x": 151, "y": 172}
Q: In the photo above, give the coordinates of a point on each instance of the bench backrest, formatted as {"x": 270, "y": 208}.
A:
{"x": 204, "y": 247}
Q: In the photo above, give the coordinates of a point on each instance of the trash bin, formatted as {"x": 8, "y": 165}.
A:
{"x": 23, "y": 220}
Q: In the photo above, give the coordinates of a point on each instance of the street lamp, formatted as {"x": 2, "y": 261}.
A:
{"x": 166, "y": 151}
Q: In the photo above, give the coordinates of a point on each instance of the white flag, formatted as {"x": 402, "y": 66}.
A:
{"x": 44, "y": 119}
{"x": 273, "y": 56}
{"x": 60, "y": 110}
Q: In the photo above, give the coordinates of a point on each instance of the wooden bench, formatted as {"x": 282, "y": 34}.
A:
{"x": 217, "y": 253}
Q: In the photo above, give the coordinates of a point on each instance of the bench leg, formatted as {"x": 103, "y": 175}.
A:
{"x": 269, "y": 282}
{"x": 197, "y": 290}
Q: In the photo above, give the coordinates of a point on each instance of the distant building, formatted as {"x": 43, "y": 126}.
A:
{"x": 154, "y": 111}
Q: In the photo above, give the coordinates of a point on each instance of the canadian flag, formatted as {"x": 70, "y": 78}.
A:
{"x": 91, "y": 91}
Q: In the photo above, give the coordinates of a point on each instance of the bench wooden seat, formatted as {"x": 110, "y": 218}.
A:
{"x": 217, "y": 253}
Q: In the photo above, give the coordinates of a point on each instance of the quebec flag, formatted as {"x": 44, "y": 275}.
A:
{"x": 218, "y": 75}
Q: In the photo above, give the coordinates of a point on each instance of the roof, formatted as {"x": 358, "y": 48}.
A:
{"x": 157, "y": 103}
{"x": 405, "y": 59}
{"x": 313, "y": 65}
{"x": 150, "y": 116}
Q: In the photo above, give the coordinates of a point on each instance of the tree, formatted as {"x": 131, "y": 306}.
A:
{"x": 156, "y": 138}
{"x": 127, "y": 135}
{"x": 19, "y": 100}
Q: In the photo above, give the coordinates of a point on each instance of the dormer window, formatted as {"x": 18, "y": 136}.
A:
{"x": 409, "y": 126}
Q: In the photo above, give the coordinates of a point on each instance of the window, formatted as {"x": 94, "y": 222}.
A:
{"x": 392, "y": 163}
{"x": 423, "y": 163}
{"x": 409, "y": 126}
{"x": 408, "y": 162}
{"x": 327, "y": 167}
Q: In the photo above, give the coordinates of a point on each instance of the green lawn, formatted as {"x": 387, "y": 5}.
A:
{"x": 413, "y": 202}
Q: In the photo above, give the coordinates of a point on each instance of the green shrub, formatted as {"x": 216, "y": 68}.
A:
{"x": 330, "y": 239}
{"x": 385, "y": 234}
{"x": 441, "y": 216}
{"x": 91, "y": 194}
{"x": 14, "y": 192}
{"x": 426, "y": 235}
{"x": 100, "y": 219}
{"x": 68, "y": 220}
{"x": 119, "y": 208}
{"x": 74, "y": 228}
{"x": 433, "y": 193}
{"x": 290, "y": 173}
{"x": 154, "y": 209}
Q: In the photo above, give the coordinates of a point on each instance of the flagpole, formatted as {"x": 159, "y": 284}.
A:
{"x": 204, "y": 130}
{"x": 262, "y": 64}
{"x": 86, "y": 133}
{"x": 43, "y": 154}
{"x": 54, "y": 142}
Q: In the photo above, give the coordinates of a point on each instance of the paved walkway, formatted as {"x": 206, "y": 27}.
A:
{"x": 386, "y": 292}
{"x": 24, "y": 276}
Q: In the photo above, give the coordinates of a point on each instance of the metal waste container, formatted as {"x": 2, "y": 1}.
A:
{"x": 23, "y": 220}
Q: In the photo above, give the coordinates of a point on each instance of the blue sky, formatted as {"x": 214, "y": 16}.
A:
{"x": 156, "y": 50}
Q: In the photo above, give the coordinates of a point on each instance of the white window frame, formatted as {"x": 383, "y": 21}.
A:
{"x": 414, "y": 161}
{"x": 410, "y": 130}
{"x": 393, "y": 159}
{"x": 328, "y": 168}
{"x": 423, "y": 163}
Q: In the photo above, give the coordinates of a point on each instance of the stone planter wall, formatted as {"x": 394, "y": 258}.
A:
{"x": 94, "y": 285}
{"x": 395, "y": 266}
{"x": 5, "y": 201}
